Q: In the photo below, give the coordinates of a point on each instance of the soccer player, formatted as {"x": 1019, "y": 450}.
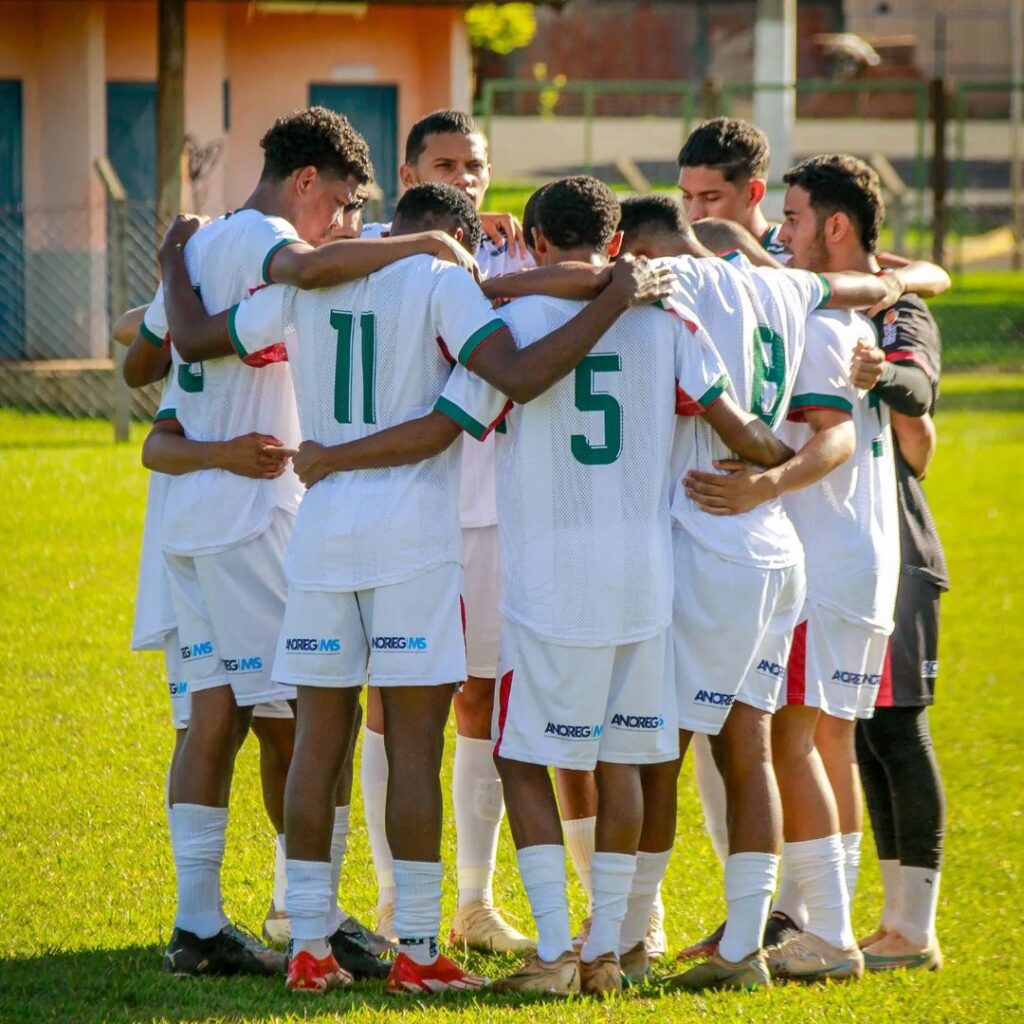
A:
{"x": 373, "y": 567}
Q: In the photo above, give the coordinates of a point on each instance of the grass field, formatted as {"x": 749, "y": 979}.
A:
{"x": 86, "y": 893}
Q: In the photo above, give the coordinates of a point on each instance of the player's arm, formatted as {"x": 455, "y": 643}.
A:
{"x": 916, "y": 439}
{"x": 923, "y": 277}
{"x": 167, "y": 450}
{"x": 746, "y": 434}
{"x": 128, "y": 325}
{"x": 904, "y": 386}
{"x": 145, "y": 362}
{"x": 564, "y": 281}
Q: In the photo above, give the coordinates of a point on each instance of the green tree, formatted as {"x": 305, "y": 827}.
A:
{"x": 500, "y": 28}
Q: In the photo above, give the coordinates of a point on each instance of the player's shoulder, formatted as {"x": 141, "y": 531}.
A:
{"x": 841, "y": 328}
{"x": 909, "y": 320}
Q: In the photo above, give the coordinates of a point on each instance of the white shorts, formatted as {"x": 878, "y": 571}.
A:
{"x": 177, "y": 683}
{"x": 835, "y": 664}
{"x": 229, "y": 607}
{"x": 570, "y": 707}
{"x": 481, "y": 557}
{"x": 731, "y": 629}
{"x": 406, "y": 634}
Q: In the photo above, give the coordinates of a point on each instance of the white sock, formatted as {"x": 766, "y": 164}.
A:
{"x": 612, "y": 875}
{"x": 418, "y": 908}
{"x": 749, "y": 883}
{"x": 374, "y": 776}
{"x": 711, "y": 789}
{"x": 788, "y": 899}
{"x": 892, "y": 894}
{"x": 851, "y": 861}
{"x": 542, "y": 869}
{"x": 479, "y": 806}
{"x": 308, "y": 903}
{"x": 339, "y": 844}
{"x": 579, "y": 841}
{"x": 280, "y": 874}
{"x": 817, "y": 865}
{"x": 198, "y": 837}
{"x": 920, "y": 905}
{"x": 650, "y": 870}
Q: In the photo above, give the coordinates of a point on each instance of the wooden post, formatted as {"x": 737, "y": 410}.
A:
{"x": 711, "y": 97}
{"x": 170, "y": 110}
{"x": 941, "y": 103}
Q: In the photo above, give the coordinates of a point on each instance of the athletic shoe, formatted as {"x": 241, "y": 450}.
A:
{"x": 373, "y": 942}
{"x": 779, "y": 929}
{"x": 479, "y": 926}
{"x": 807, "y": 957}
{"x": 718, "y": 973}
{"x": 230, "y": 951}
{"x": 443, "y": 975}
{"x": 582, "y": 935}
{"x": 635, "y": 963}
{"x": 708, "y": 946}
{"x": 929, "y": 959}
{"x": 557, "y": 977}
{"x": 307, "y": 974}
{"x": 876, "y": 936}
{"x": 386, "y": 924}
{"x": 655, "y": 940}
{"x": 349, "y": 949}
{"x": 601, "y": 976}
{"x": 277, "y": 927}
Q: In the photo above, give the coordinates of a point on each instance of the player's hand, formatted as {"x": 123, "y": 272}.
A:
{"x": 637, "y": 282}
{"x": 738, "y": 489}
{"x": 313, "y": 463}
{"x": 181, "y": 229}
{"x": 503, "y": 227}
{"x": 895, "y": 286}
{"x": 448, "y": 249}
{"x": 866, "y": 367}
{"x": 261, "y": 456}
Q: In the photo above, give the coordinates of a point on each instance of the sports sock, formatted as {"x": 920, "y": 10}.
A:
{"x": 650, "y": 870}
{"x": 788, "y": 899}
{"x": 749, "y": 883}
{"x": 817, "y": 865}
{"x": 920, "y": 905}
{"x": 579, "y": 841}
{"x": 374, "y": 777}
{"x": 892, "y": 894}
{"x": 339, "y": 844}
{"x": 198, "y": 839}
{"x": 612, "y": 875}
{"x": 418, "y": 908}
{"x": 711, "y": 789}
{"x": 851, "y": 862}
{"x": 308, "y": 903}
{"x": 542, "y": 869}
{"x": 479, "y": 806}
{"x": 280, "y": 874}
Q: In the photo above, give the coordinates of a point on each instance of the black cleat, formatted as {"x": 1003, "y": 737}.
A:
{"x": 779, "y": 929}
{"x": 230, "y": 951}
{"x": 708, "y": 946}
{"x": 353, "y": 954}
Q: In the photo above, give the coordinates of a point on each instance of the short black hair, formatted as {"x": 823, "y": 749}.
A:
{"x": 530, "y": 214}
{"x": 839, "y": 183}
{"x": 315, "y": 137}
{"x": 440, "y": 122}
{"x": 579, "y": 210}
{"x": 660, "y": 212}
{"x": 735, "y": 147}
{"x": 444, "y": 207}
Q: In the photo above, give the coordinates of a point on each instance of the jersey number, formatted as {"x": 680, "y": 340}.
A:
{"x": 589, "y": 400}
{"x": 342, "y": 322}
{"x": 769, "y": 375}
{"x": 191, "y": 377}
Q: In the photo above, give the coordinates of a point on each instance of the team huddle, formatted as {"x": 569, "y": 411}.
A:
{"x": 612, "y": 482}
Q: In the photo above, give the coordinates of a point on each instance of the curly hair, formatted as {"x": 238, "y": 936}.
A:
{"x": 440, "y": 122}
{"x": 578, "y": 211}
{"x": 444, "y": 207}
{"x": 737, "y": 148}
{"x": 315, "y": 137}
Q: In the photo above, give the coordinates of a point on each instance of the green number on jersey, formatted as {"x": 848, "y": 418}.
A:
{"x": 191, "y": 377}
{"x": 342, "y": 323}
{"x": 589, "y": 400}
{"x": 769, "y": 375}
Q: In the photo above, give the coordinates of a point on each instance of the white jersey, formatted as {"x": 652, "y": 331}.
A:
{"x": 583, "y": 474}
{"x": 368, "y": 355}
{"x": 849, "y": 521}
{"x": 757, "y": 321}
{"x": 212, "y": 510}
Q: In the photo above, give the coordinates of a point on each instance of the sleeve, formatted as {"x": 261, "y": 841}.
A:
{"x": 257, "y": 323}
{"x": 154, "y": 321}
{"x": 461, "y": 314}
{"x": 472, "y": 403}
{"x": 701, "y": 376}
{"x": 807, "y": 291}
{"x": 268, "y": 235}
{"x": 168, "y": 409}
{"x": 823, "y": 378}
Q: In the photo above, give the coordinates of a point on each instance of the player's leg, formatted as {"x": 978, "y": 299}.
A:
{"x": 836, "y": 739}
{"x": 711, "y": 790}
{"x": 577, "y": 803}
{"x": 374, "y": 782}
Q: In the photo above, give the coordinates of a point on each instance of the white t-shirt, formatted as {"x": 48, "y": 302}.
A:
{"x": 367, "y": 355}
{"x": 212, "y": 510}
{"x": 848, "y": 522}
{"x": 583, "y": 474}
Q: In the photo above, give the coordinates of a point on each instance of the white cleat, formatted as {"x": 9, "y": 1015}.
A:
{"x": 480, "y": 926}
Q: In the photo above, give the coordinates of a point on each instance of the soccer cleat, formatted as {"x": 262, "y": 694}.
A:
{"x": 386, "y": 924}
{"x": 582, "y": 935}
{"x": 876, "y": 936}
{"x": 350, "y": 951}
{"x": 635, "y": 963}
{"x": 886, "y": 955}
{"x": 601, "y": 977}
{"x": 307, "y": 974}
{"x": 230, "y": 951}
{"x": 479, "y": 926}
{"x": 779, "y": 929}
{"x": 373, "y": 942}
{"x": 277, "y": 927}
{"x": 717, "y": 973}
{"x": 558, "y": 977}
{"x": 705, "y": 947}
{"x": 655, "y": 940}
{"x": 410, "y": 978}
{"x": 806, "y": 957}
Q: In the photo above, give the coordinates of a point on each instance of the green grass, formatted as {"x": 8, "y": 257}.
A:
{"x": 86, "y": 892}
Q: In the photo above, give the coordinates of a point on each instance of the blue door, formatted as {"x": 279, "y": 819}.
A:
{"x": 12, "y": 225}
{"x": 373, "y": 110}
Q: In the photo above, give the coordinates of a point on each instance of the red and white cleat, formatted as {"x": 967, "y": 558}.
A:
{"x": 307, "y": 974}
{"x": 410, "y": 978}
